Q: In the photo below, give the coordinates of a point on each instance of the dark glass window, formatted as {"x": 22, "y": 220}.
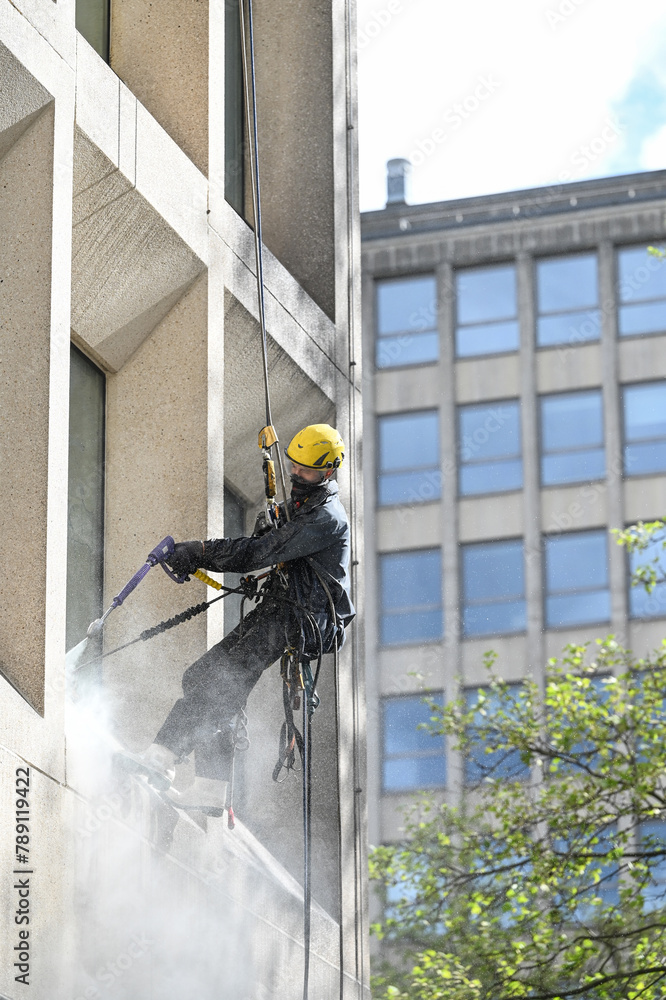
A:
{"x": 577, "y": 579}
{"x": 642, "y": 292}
{"x": 483, "y": 758}
{"x": 572, "y": 438}
{"x": 644, "y": 428}
{"x": 642, "y": 604}
{"x": 234, "y": 110}
{"x": 412, "y": 757}
{"x": 234, "y": 527}
{"x": 92, "y": 20}
{"x": 411, "y": 597}
{"x": 85, "y": 509}
{"x": 409, "y": 458}
{"x": 490, "y": 448}
{"x": 487, "y": 311}
{"x": 407, "y": 321}
{"x": 567, "y": 300}
{"x": 493, "y": 580}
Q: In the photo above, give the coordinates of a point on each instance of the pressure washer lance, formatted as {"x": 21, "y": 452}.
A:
{"x": 158, "y": 556}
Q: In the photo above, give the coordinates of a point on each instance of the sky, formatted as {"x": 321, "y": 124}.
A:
{"x": 485, "y": 96}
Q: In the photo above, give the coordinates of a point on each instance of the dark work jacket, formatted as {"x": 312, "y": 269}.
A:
{"x": 315, "y": 539}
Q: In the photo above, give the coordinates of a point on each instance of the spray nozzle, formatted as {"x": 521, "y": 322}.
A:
{"x": 95, "y": 628}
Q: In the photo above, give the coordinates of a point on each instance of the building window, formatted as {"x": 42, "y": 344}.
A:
{"x": 92, "y": 20}
{"x": 567, "y": 300}
{"x": 407, "y": 321}
{"x": 572, "y": 438}
{"x": 489, "y": 448}
{"x": 577, "y": 579}
{"x": 644, "y": 428}
{"x": 234, "y": 110}
{"x": 642, "y": 604}
{"x": 642, "y": 292}
{"x": 596, "y": 875}
{"x": 409, "y": 458}
{"x": 483, "y": 758}
{"x": 85, "y": 509}
{"x": 583, "y": 753}
{"x": 652, "y": 835}
{"x": 493, "y": 583}
{"x": 412, "y": 757}
{"x": 487, "y": 311}
{"x": 410, "y": 597}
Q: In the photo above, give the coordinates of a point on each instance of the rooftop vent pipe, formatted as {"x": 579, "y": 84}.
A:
{"x": 398, "y": 181}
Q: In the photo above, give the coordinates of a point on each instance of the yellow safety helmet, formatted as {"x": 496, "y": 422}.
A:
{"x": 317, "y": 446}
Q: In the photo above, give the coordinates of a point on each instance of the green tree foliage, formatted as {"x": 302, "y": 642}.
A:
{"x": 550, "y": 884}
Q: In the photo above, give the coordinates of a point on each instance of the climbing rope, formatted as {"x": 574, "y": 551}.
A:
{"x": 249, "y": 81}
{"x": 247, "y": 47}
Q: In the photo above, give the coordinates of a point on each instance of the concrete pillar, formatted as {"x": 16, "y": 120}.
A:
{"x": 26, "y": 211}
{"x": 450, "y": 671}
{"x": 617, "y": 565}
{"x": 531, "y": 468}
{"x": 156, "y": 485}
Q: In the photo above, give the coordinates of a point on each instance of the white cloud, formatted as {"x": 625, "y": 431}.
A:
{"x": 558, "y": 75}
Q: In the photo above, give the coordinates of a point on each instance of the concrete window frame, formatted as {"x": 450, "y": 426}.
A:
{"x": 485, "y": 464}
{"x": 498, "y": 764}
{"x": 493, "y": 591}
{"x": 409, "y": 461}
{"x": 574, "y": 593}
{"x": 410, "y": 597}
{"x": 571, "y": 454}
{"x": 406, "y": 332}
{"x": 644, "y": 453}
{"x": 567, "y": 299}
{"x": 486, "y": 310}
{"x": 412, "y": 758}
{"x": 641, "y": 292}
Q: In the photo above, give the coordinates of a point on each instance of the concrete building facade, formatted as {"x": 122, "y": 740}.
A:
{"x": 131, "y": 398}
{"x": 517, "y": 398}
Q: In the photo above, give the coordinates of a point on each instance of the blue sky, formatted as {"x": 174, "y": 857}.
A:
{"x": 490, "y": 97}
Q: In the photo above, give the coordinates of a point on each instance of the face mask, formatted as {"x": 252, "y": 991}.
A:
{"x": 301, "y": 487}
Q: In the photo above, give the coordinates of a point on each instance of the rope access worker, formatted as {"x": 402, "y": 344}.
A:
{"x": 311, "y": 581}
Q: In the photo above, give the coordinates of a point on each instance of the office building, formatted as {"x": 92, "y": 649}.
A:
{"x": 131, "y": 399}
{"x": 515, "y": 395}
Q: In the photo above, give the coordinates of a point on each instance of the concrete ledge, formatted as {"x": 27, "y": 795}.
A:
{"x": 129, "y": 267}
{"x": 133, "y": 142}
{"x": 309, "y": 331}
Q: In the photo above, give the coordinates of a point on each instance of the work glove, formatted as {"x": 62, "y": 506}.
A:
{"x": 186, "y": 557}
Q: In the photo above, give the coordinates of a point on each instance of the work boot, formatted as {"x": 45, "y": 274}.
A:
{"x": 156, "y": 763}
{"x": 207, "y": 795}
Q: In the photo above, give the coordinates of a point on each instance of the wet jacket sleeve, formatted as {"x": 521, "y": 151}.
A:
{"x": 293, "y": 540}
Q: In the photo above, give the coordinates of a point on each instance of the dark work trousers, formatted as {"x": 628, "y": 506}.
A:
{"x": 217, "y": 686}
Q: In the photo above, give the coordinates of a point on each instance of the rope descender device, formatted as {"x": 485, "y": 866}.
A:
{"x": 267, "y": 439}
